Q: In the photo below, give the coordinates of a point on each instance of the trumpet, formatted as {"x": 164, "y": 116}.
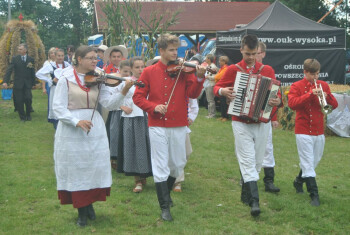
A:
{"x": 325, "y": 108}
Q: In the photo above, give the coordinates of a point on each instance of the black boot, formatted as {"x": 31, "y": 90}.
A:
{"x": 269, "y": 179}
{"x": 245, "y": 195}
{"x": 252, "y": 188}
{"x": 298, "y": 183}
{"x": 82, "y": 219}
{"x": 170, "y": 182}
{"x": 312, "y": 188}
{"x": 91, "y": 212}
{"x": 164, "y": 200}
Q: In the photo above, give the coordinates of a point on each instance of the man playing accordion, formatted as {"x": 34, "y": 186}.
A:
{"x": 250, "y": 136}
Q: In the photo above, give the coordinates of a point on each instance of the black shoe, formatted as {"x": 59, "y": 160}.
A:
{"x": 312, "y": 188}
{"x": 255, "y": 209}
{"x": 23, "y": 119}
{"x": 164, "y": 200}
{"x": 271, "y": 188}
{"x": 91, "y": 212}
{"x": 253, "y": 191}
{"x": 166, "y": 215}
{"x": 298, "y": 183}
{"x": 32, "y": 110}
{"x": 28, "y": 118}
{"x": 298, "y": 186}
{"x": 315, "y": 201}
{"x": 82, "y": 219}
{"x": 269, "y": 179}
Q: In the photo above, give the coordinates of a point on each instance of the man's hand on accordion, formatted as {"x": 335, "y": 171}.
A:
{"x": 275, "y": 101}
{"x": 228, "y": 92}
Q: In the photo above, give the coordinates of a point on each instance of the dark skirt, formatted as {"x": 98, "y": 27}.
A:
{"x": 113, "y": 128}
{"x": 83, "y": 198}
{"x": 134, "y": 157}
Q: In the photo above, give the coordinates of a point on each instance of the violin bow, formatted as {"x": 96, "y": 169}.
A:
{"x": 98, "y": 97}
{"x": 177, "y": 78}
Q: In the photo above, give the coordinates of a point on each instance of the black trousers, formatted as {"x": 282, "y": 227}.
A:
{"x": 23, "y": 97}
{"x": 223, "y": 107}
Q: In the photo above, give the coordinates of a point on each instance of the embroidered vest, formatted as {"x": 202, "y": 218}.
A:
{"x": 79, "y": 99}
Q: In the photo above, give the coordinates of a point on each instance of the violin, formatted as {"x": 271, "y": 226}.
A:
{"x": 174, "y": 67}
{"x": 93, "y": 78}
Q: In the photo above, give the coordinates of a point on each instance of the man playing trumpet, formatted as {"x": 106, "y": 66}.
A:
{"x": 305, "y": 96}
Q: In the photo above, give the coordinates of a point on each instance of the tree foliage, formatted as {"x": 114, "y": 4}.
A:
{"x": 125, "y": 25}
{"x": 58, "y": 27}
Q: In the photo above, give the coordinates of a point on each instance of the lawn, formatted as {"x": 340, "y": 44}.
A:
{"x": 210, "y": 201}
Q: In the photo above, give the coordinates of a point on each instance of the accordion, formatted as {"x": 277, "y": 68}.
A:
{"x": 252, "y": 95}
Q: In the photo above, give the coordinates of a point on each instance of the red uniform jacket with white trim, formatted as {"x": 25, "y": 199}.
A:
{"x": 309, "y": 117}
{"x": 158, "y": 87}
{"x": 228, "y": 80}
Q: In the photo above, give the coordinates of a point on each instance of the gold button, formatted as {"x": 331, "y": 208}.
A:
{"x": 165, "y": 78}
{"x": 165, "y": 119}
{"x": 305, "y": 91}
{"x": 165, "y": 102}
{"x": 165, "y": 94}
{"x": 165, "y": 86}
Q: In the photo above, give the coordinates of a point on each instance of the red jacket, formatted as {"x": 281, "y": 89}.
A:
{"x": 228, "y": 80}
{"x": 309, "y": 118}
{"x": 158, "y": 87}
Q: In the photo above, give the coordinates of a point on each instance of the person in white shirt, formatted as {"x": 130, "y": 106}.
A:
{"x": 134, "y": 155}
{"x": 81, "y": 151}
{"x": 50, "y": 73}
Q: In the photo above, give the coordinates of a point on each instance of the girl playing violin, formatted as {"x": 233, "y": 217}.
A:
{"x": 134, "y": 157}
{"x": 82, "y": 162}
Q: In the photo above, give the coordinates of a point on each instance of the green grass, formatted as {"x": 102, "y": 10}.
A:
{"x": 210, "y": 202}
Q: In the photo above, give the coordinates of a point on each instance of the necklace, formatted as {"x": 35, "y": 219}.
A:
{"x": 83, "y": 87}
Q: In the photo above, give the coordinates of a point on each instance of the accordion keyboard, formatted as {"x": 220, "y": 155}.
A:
{"x": 240, "y": 88}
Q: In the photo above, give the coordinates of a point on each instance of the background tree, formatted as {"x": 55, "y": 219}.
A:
{"x": 58, "y": 27}
{"x": 77, "y": 14}
{"x": 126, "y": 26}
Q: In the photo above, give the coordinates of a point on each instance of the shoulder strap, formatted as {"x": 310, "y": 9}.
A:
{"x": 240, "y": 68}
{"x": 260, "y": 69}
{"x": 54, "y": 68}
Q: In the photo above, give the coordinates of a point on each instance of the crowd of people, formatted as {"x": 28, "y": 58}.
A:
{"x": 146, "y": 132}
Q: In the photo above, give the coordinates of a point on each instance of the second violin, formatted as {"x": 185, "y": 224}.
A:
{"x": 94, "y": 78}
{"x": 174, "y": 67}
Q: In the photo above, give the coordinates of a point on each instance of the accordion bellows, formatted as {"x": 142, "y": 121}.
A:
{"x": 252, "y": 94}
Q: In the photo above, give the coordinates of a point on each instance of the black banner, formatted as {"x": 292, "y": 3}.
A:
{"x": 286, "y": 39}
{"x": 288, "y": 65}
{"x": 287, "y": 51}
